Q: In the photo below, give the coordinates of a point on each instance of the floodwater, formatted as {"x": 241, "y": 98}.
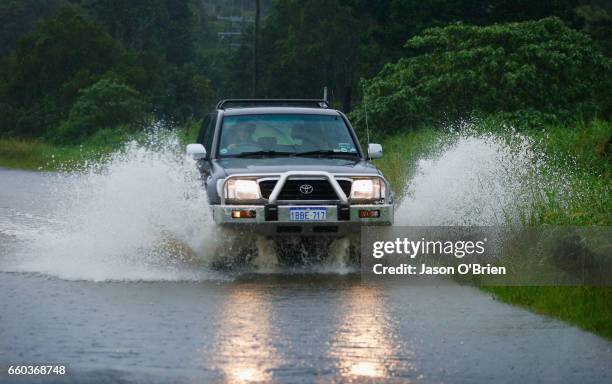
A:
{"x": 110, "y": 272}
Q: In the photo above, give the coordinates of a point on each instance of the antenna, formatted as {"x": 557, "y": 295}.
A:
{"x": 365, "y": 107}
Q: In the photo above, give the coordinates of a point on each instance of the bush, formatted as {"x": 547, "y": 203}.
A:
{"x": 540, "y": 71}
{"x": 106, "y": 104}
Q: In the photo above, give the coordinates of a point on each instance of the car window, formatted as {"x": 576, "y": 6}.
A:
{"x": 206, "y": 131}
{"x": 285, "y": 133}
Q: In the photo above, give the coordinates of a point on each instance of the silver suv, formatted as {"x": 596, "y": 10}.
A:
{"x": 289, "y": 167}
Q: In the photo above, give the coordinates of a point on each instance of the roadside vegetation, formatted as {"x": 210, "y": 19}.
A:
{"x": 43, "y": 155}
{"x": 583, "y": 151}
{"x": 587, "y": 307}
{"x": 38, "y": 155}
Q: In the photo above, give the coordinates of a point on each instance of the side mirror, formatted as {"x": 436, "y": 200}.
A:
{"x": 375, "y": 151}
{"x": 197, "y": 151}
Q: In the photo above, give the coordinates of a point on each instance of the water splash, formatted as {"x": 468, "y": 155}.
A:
{"x": 266, "y": 259}
{"x": 141, "y": 214}
{"x": 478, "y": 179}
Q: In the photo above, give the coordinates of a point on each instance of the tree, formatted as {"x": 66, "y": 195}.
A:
{"x": 51, "y": 64}
{"x": 304, "y": 46}
{"x": 108, "y": 103}
{"x": 541, "y": 68}
{"x": 165, "y": 25}
{"x": 389, "y": 23}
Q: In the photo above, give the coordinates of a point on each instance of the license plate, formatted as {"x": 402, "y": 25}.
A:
{"x": 307, "y": 214}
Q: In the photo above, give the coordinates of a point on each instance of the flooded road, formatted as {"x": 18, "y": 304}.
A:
{"x": 82, "y": 285}
{"x": 287, "y": 329}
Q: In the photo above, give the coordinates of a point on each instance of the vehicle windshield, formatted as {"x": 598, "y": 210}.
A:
{"x": 286, "y": 135}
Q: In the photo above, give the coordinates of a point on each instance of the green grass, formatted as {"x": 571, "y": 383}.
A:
{"x": 46, "y": 156}
{"x": 583, "y": 153}
{"x": 40, "y": 155}
{"x": 33, "y": 154}
{"x": 589, "y": 308}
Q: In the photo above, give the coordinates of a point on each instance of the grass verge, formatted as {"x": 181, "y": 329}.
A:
{"x": 46, "y": 156}
{"x": 37, "y": 155}
{"x": 589, "y": 308}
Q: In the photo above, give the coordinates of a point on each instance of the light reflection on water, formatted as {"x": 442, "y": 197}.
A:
{"x": 364, "y": 344}
{"x": 361, "y": 345}
{"x": 244, "y": 347}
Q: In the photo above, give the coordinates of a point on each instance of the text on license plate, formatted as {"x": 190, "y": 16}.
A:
{"x": 307, "y": 214}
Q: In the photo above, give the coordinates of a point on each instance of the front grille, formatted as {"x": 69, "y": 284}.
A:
{"x": 321, "y": 189}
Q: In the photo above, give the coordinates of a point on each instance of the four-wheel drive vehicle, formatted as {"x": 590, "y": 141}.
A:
{"x": 289, "y": 167}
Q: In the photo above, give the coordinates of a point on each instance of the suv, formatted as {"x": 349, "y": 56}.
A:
{"x": 289, "y": 167}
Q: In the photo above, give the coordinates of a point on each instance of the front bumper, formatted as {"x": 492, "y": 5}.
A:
{"x": 280, "y": 223}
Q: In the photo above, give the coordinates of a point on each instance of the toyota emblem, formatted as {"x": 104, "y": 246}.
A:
{"x": 306, "y": 189}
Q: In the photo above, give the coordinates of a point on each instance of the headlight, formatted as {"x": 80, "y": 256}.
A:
{"x": 368, "y": 189}
{"x": 242, "y": 189}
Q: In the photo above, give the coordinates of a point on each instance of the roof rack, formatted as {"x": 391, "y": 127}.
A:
{"x": 245, "y": 103}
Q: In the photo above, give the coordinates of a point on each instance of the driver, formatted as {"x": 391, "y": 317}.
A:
{"x": 243, "y": 135}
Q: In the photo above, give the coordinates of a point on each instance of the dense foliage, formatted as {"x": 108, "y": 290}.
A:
{"x": 95, "y": 67}
{"x": 50, "y": 66}
{"x": 171, "y": 59}
{"x": 531, "y": 72}
{"x": 305, "y": 46}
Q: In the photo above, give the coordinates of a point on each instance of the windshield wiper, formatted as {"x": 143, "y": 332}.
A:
{"x": 262, "y": 153}
{"x": 325, "y": 153}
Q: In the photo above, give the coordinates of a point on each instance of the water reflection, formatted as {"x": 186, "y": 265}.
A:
{"x": 244, "y": 349}
{"x": 364, "y": 344}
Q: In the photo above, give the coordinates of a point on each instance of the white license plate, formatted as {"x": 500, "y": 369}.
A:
{"x": 307, "y": 214}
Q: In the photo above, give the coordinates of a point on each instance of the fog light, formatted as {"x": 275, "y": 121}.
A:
{"x": 367, "y": 213}
{"x": 243, "y": 214}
